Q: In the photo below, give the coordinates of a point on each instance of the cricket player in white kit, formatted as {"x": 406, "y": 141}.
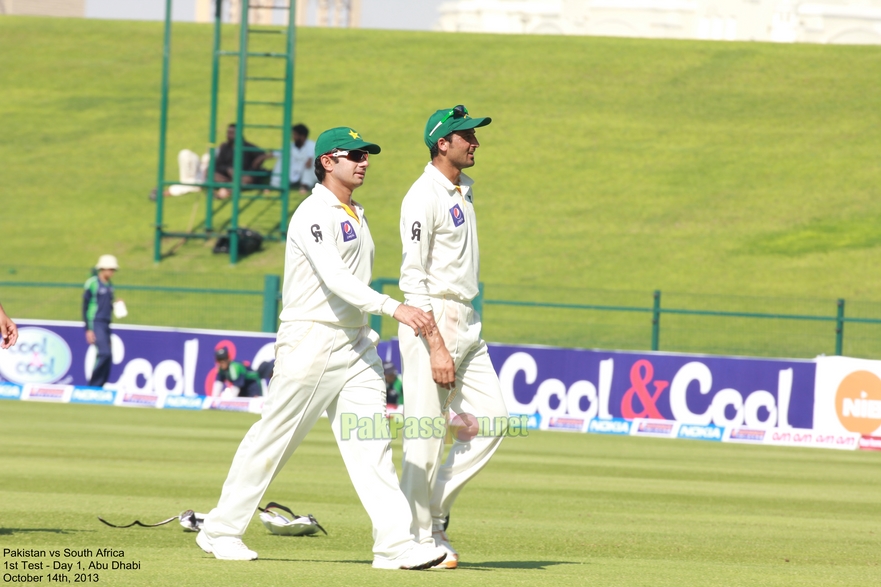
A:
{"x": 326, "y": 360}
{"x": 450, "y": 369}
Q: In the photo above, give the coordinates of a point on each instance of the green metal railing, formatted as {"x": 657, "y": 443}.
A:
{"x": 207, "y": 301}
{"x": 581, "y": 318}
{"x": 656, "y": 310}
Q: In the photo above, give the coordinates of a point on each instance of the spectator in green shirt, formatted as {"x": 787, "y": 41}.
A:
{"x": 97, "y": 314}
{"x": 242, "y": 380}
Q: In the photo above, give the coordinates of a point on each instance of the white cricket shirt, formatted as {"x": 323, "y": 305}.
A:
{"x": 439, "y": 235}
{"x": 301, "y": 166}
{"x": 328, "y": 265}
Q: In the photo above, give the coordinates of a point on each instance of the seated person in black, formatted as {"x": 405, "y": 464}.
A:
{"x": 223, "y": 163}
{"x": 243, "y": 381}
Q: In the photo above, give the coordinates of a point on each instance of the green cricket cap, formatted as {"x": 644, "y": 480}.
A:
{"x": 343, "y": 138}
{"x": 447, "y": 120}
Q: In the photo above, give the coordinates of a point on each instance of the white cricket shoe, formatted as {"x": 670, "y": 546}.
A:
{"x": 419, "y": 557}
{"x": 442, "y": 542}
{"x": 226, "y": 548}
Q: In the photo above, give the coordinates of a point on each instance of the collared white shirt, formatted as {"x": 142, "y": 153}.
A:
{"x": 439, "y": 235}
{"x": 301, "y": 166}
{"x": 328, "y": 265}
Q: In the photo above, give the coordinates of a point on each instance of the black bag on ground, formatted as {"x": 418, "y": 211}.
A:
{"x": 250, "y": 241}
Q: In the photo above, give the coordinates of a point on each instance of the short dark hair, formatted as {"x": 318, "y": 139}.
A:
{"x": 300, "y": 129}
{"x": 432, "y": 150}
{"x": 319, "y": 170}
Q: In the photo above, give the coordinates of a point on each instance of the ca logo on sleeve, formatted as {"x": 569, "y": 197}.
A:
{"x": 316, "y": 232}
{"x": 348, "y": 232}
{"x": 416, "y": 231}
{"x": 458, "y": 216}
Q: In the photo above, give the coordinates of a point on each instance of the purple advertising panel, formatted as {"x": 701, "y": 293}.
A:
{"x": 692, "y": 389}
{"x": 566, "y": 389}
{"x": 146, "y": 360}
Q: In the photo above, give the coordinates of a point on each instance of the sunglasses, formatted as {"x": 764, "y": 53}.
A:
{"x": 457, "y": 112}
{"x": 354, "y": 155}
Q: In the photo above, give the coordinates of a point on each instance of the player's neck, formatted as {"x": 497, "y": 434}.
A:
{"x": 342, "y": 192}
{"x": 450, "y": 171}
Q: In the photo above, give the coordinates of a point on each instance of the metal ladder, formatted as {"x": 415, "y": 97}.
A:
{"x": 245, "y": 55}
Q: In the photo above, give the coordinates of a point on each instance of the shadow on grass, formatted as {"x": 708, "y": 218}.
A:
{"x": 485, "y": 566}
{"x": 535, "y": 565}
{"x": 312, "y": 560}
{"x": 11, "y": 531}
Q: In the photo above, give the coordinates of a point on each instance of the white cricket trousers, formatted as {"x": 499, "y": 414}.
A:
{"x": 432, "y": 487}
{"x": 319, "y": 367}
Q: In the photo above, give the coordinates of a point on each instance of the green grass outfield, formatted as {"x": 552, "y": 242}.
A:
{"x": 702, "y": 167}
{"x": 613, "y": 167}
{"x": 550, "y": 509}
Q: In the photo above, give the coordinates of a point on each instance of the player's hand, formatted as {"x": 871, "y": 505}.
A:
{"x": 8, "y": 331}
{"x": 443, "y": 370}
{"x": 90, "y": 336}
{"x": 421, "y": 322}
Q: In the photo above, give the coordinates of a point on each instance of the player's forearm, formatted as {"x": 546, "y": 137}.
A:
{"x": 349, "y": 288}
{"x": 435, "y": 341}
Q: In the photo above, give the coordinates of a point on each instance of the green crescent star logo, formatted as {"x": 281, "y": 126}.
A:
{"x": 354, "y": 134}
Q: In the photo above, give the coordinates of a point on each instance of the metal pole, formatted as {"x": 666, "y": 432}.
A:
{"x": 656, "y": 320}
{"x": 212, "y": 123}
{"x": 839, "y": 328}
{"x": 270, "y": 302}
{"x": 477, "y": 304}
{"x": 240, "y": 132}
{"x": 288, "y": 115}
{"x": 163, "y": 126}
{"x": 376, "y": 319}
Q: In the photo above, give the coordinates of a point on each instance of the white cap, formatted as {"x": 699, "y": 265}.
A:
{"x": 107, "y": 262}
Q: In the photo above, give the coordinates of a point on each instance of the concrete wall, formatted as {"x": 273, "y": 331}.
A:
{"x": 784, "y": 21}
{"x": 44, "y": 7}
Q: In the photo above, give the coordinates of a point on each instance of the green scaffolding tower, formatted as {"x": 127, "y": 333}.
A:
{"x": 283, "y": 86}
